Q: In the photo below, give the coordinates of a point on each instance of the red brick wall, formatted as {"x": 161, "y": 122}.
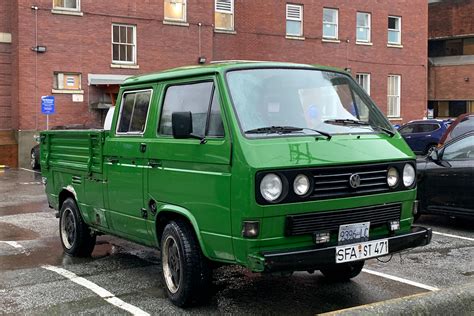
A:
{"x": 449, "y": 83}
{"x": 260, "y": 28}
{"x": 82, "y": 44}
{"x": 449, "y": 18}
{"x": 5, "y": 68}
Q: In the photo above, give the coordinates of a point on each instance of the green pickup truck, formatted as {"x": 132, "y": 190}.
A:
{"x": 276, "y": 167}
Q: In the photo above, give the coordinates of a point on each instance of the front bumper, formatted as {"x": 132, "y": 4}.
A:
{"x": 314, "y": 259}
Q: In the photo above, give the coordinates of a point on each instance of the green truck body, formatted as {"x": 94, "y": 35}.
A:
{"x": 135, "y": 179}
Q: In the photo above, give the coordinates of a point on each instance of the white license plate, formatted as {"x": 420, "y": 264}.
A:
{"x": 354, "y": 232}
{"x": 361, "y": 251}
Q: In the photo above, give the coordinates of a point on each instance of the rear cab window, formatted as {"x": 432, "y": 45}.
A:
{"x": 134, "y": 111}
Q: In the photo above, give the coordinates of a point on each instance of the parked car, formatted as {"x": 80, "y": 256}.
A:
{"x": 445, "y": 182}
{"x": 463, "y": 124}
{"x": 423, "y": 135}
{"x": 35, "y": 151}
{"x": 263, "y": 171}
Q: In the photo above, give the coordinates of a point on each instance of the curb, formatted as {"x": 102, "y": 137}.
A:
{"x": 457, "y": 300}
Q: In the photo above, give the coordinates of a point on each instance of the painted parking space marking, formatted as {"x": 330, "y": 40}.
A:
{"x": 453, "y": 236}
{"x": 30, "y": 170}
{"x": 35, "y": 182}
{"x": 103, "y": 293}
{"x": 13, "y": 244}
{"x": 402, "y": 280}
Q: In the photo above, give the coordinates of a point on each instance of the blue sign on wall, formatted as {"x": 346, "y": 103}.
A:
{"x": 47, "y": 104}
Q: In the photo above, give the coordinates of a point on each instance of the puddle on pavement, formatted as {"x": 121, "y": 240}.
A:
{"x": 25, "y": 208}
{"x": 51, "y": 252}
{"x": 10, "y": 232}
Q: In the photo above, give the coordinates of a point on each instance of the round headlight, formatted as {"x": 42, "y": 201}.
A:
{"x": 392, "y": 177}
{"x": 408, "y": 175}
{"x": 271, "y": 187}
{"x": 301, "y": 184}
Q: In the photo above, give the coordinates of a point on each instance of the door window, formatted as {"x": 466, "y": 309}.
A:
{"x": 134, "y": 112}
{"x": 201, "y": 101}
{"x": 461, "y": 150}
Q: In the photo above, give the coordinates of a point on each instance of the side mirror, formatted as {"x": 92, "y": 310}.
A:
{"x": 182, "y": 124}
{"x": 434, "y": 155}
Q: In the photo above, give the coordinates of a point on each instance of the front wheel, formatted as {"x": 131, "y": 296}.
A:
{"x": 76, "y": 237}
{"x": 343, "y": 271}
{"x": 186, "y": 272}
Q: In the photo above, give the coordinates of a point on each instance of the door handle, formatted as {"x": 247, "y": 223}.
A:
{"x": 113, "y": 159}
{"x": 154, "y": 163}
{"x": 142, "y": 147}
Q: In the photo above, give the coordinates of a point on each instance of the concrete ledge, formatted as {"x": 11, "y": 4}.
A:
{"x": 458, "y": 300}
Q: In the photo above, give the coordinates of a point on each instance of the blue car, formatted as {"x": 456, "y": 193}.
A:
{"x": 423, "y": 135}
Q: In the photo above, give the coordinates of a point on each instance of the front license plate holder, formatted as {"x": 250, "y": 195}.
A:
{"x": 361, "y": 251}
{"x": 351, "y": 233}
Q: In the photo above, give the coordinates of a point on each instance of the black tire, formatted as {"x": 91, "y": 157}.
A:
{"x": 342, "y": 272}
{"x": 186, "y": 273}
{"x": 34, "y": 158}
{"x": 76, "y": 237}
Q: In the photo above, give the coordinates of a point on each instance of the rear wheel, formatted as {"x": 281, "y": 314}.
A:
{"x": 76, "y": 237}
{"x": 34, "y": 159}
{"x": 343, "y": 271}
{"x": 186, "y": 272}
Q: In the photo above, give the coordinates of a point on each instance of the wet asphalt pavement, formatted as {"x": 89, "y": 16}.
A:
{"x": 29, "y": 241}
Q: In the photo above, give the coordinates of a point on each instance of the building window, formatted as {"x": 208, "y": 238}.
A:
{"x": 363, "y": 27}
{"x": 294, "y": 20}
{"x": 73, "y": 5}
{"x": 134, "y": 111}
{"x": 364, "y": 81}
{"x": 394, "y": 30}
{"x": 175, "y": 10}
{"x": 393, "y": 96}
{"x": 67, "y": 81}
{"x": 330, "y": 23}
{"x": 124, "y": 48}
{"x": 224, "y": 15}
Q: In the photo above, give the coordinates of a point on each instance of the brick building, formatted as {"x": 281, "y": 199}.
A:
{"x": 80, "y": 50}
{"x": 451, "y": 57}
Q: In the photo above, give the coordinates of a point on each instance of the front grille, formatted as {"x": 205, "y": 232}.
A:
{"x": 331, "y": 220}
{"x": 330, "y": 183}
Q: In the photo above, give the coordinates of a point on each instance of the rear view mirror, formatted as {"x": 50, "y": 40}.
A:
{"x": 182, "y": 124}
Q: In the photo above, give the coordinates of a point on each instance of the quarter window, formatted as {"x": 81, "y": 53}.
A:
{"x": 200, "y": 100}
{"x": 393, "y": 96}
{"x": 175, "y": 10}
{"x": 394, "y": 30}
{"x": 330, "y": 23}
{"x": 364, "y": 81}
{"x": 294, "y": 20}
{"x": 124, "y": 46}
{"x": 363, "y": 27}
{"x": 224, "y": 15}
{"x": 134, "y": 111}
{"x": 73, "y": 5}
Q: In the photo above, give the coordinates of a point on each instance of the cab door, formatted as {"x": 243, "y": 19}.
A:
{"x": 193, "y": 175}
{"x": 124, "y": 160}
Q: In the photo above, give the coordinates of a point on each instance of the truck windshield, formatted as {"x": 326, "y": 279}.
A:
{"x": 282, "y": 101}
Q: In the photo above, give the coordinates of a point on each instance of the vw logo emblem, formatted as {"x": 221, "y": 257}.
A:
{"x": 354, "y": 181}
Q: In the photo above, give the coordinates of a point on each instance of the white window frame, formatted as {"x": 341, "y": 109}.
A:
{"x": 361, "y": 75}
{"x": 368, "y": 27}
{"x": 229, "y": 11}
{"x": 396, "y": 96}
{"x": 332, "y": 23}
{"x": 293, "y": 18}
{"x": 399, "y": 18}
{"x": 122, "y": 62}
{"x": 78, "y": 5}
{"x": 185, "y": 13}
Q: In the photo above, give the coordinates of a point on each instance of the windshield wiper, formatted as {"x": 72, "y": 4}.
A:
{"x": 350, "y": 122}
{"x": 284, "y": 130}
